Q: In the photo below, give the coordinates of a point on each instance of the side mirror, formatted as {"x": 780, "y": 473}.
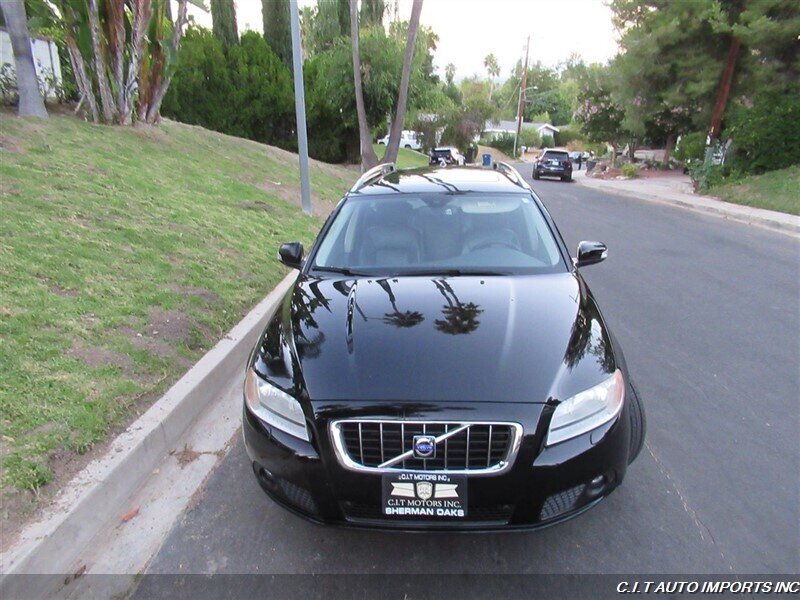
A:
{"x": 590, "y": 253}
{"x": 291, "y": 254}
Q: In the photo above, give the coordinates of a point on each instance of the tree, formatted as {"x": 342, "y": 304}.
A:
{"x": 372, "y": 12}
{"x": 322, "y": 25}
{"x": 245, "y": 90}
{"x": 599, "y": 115}
{"x": 344, "y": 14}
{"x": 368, "y": 157}
{"x": 450, "y": 88}
{"x": 201, "y": 90}
{"x": 160, "y": 58}
{"x": 399, "y": 119}
{"x": 277, "y": 32}
{"x": 125, "y": 54}
{"x": 671, "y": 65}
{"x": 223, "y": 19}
{"x": 449, "y": 73}
{"x": 31, "y": 103}
{"x": 493, "y": 69}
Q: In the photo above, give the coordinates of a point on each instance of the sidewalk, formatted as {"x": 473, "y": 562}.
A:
{"x": 678, "y": 192}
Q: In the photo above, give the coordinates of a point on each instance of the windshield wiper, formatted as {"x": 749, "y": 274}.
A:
{"x": 342, "y": 270}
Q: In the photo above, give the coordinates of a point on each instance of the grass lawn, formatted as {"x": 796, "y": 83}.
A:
{"x": 125, "y": 254}
{"x": 777, "y": 190}
{"x": 406, "y": 158}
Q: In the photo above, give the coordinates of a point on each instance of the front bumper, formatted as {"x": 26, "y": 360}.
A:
{"x": 544, "y": 485}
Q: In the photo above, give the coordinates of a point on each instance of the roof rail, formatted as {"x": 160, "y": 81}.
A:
{"x": 510, "y": 172}
{"x": 372, "y": 174}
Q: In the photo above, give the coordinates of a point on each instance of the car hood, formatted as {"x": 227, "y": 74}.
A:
{"x": 419, "y": 339}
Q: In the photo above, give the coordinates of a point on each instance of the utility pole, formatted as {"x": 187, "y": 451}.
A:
{"x": 522, "y": 87}
{"x": 300, "y": 107}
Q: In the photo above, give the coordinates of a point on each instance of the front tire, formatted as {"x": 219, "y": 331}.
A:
{"x": 638, "y": 424}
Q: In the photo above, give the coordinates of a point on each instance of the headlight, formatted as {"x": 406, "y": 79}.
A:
{"x": 274, "y": 407}
{"x": 588, "y": 410}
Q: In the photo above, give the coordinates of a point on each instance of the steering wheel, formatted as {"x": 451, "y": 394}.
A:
{"x": 493, "y": 243}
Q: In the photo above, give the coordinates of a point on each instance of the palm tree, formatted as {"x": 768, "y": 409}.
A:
{"x": 490, "y": 62}
{"x": 449, "y": 73}
{"x": 368, "y": 157}
{"x": 398, "y": 318}
{"x": 30, "y": 98}
{"x": 397, "y": 125}
{"x": 459, "y": 317}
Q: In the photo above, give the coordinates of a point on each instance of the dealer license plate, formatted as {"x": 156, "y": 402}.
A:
{"x": 424, "y": 495}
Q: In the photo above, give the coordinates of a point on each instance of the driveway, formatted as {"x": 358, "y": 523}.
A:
{"x": 707, "y": 311}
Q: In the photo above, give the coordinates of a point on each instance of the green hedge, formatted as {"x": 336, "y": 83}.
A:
{"x": 766, "y": 135}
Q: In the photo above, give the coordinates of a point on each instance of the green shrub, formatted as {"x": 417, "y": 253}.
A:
{"x": 766, "y": 136}
{"x": 547, "y": 141}
{"x": 504, "y": 143}
{"x": 691, "y": 146}
{"x": 629, "y": 170}
{"x": 706, "y": 176}
{"x": 244, "y": 91}
{"x": 568, "y": 134}
{"x": 530, "y": 138}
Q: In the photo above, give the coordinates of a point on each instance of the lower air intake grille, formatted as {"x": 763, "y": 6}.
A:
{"x": 561, "y": 503}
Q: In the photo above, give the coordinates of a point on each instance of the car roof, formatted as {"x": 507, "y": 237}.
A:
{"x": 451, "y": 179}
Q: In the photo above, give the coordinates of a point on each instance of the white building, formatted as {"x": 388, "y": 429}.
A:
{"x": 45, "y": 59}
{"x": 495, "y": 129}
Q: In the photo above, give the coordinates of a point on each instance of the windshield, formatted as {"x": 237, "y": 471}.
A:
{"x": 439, "y": 233}
{"x": 558, "y": 155}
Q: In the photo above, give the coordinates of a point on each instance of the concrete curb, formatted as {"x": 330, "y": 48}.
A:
{"x": 775, "y": 221}
{"x": 102, "y": 490}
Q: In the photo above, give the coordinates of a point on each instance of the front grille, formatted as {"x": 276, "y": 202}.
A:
{"x": 357, "y": 511}
{"x": 372, "y": 445}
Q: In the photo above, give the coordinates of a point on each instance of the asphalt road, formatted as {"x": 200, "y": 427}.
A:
{"x": 707, "y": 311}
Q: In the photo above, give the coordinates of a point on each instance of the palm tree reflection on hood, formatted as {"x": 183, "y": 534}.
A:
{"x": 459, "y": 318}
{"x": 397, "y": 317}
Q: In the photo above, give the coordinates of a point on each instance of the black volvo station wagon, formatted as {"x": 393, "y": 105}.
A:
{"x": 440, "y": 363}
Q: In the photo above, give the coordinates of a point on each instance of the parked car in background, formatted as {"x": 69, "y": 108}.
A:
{"x": 446, "y": 155}
{"x": 553, "y": 163}
{"x": 408, "y": 139}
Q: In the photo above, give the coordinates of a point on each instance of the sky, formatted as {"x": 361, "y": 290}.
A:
{"x": 468, "y": 30}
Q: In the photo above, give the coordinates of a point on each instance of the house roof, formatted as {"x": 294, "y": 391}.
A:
{"x": 511, "y": 126}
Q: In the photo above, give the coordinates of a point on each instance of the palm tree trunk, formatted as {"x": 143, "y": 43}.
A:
{"x": 82, "y": 78}
{"x": 106, "y": 99}
{"x": 368, "y": 157}
{"x": 154, "y": 110}
{"x": 30, "y": 97}
{"x": 397, "y": 125}
{"x": 116, "y": 45}
{"x": 142, "y": 13}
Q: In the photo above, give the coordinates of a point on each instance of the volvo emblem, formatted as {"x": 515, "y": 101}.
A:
{"x": 424, "y": 446}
